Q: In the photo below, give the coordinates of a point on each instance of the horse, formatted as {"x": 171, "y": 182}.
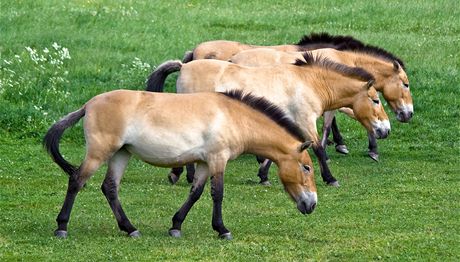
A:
{"x": 217, "y": 128}
{"x": 224, "y": 50}
{"x": 304, "y": 90}
{"x": 390, "y": 79}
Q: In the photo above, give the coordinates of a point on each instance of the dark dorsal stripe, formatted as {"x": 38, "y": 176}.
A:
{"x": 347, "y": 43}
{"x": 354, "y": 72}
{"x": 269, "y": 109}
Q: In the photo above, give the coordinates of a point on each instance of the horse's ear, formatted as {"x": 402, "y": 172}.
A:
{"x": 305, "y": 145}
{"x": 396, "y": 66}
{"x": 369, "y": 84}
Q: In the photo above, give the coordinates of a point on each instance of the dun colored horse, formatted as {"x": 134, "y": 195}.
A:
{"x": 390, "y": 79}
{"x": 217, "y": 128}
{"x": 304, "y": 90}
{"x": 224, "y": 50}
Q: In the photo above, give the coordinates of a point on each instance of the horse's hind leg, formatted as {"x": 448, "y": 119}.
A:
{"x": 110, "y": 186}
{"x": 199, "y": 181}
{"x": 76, "y": 182}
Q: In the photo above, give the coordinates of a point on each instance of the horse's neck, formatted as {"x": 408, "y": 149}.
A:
{"x": 268, "y": 139}
{"x": 336, "y": 90}
{"x": 378, "y": 67}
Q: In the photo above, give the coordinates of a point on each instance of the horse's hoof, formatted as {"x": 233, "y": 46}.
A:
{"x": 172, "y": 178}
{"x": 60, "y": 233}
{"x": 374, "y": 156}
{"x": 342, "y": 149}
{"x": 265, "y": 183}
{"x": 226, "y": 236}
{"x": 175, "y": 233}
{"x": 135, "y": 234}
{"x": 334, "y": 184}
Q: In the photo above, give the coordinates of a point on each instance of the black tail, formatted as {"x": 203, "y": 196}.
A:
{"x": 156, "y": 81}
{"x": 53, "y": 136}
{"x": 188, "y": 56}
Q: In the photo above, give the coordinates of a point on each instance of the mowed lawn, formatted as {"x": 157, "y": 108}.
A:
{"x": 55, "y": 55}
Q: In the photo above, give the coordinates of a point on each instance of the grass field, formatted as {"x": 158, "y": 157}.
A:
{"x": 55, "y": 55}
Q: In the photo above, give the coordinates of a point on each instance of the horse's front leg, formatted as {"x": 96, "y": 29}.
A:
{"x": 373, "y": 152}
{"x": 217, "y": 193}
{"x": 264, "y": 167}
{"x": 199, "y": 180}
{"x": 338, "y": 139}
{"x": 174, "y": 175}
{"x": 322, "y": 159}
{"x": 190, "y": 172}
{"x": 318, "y": 149}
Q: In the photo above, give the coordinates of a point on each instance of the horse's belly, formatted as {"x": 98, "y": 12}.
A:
{"x": 167, "y": 150}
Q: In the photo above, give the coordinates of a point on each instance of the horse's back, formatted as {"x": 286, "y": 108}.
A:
{"x": 218, "y": 49}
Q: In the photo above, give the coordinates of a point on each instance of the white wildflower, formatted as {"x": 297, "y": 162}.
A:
{"x": 56, "y": 46}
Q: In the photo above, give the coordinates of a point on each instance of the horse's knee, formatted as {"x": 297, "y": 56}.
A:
{"x": 109, "y": 189}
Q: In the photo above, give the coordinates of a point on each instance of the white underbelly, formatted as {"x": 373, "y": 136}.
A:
{"x": 167, "y": 149}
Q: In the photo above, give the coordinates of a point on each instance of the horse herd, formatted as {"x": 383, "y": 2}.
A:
{"x": 237, "y": 98}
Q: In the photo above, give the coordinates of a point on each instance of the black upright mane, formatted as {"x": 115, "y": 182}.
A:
{"x": 269, "y": 109}
{"x": 354, "y": 72}
{"x": 346, "y": 43}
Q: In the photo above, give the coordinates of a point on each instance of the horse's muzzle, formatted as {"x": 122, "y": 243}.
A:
{"x": 307, "y": 203}
{"x": 404, "y": 113}
{"x": 404, "y": 116}
{"x": 382, "y": 129}
{"x": 382, "y": 133}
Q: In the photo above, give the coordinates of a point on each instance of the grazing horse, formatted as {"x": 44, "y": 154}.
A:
{"x": 390, "y": 79}
{"x": 217, "y": 128}
{"x": 304, "y": 90}
{"x": 224, "y": 50}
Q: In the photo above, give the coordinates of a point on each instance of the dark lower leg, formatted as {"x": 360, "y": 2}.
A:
{"x": 190, "y": 172}
{"x": 325, "y": 172}
{"x": 109, "y": 188}
{"x": 264, "y": 167}
{"x": 177, "y": 171}
{"x": 174, "y": 175}
{"x": 64, "y": 215}
{"x": 195, "y": 193}
{"x": 217, "y": 193}
{"x": 337, "y": 137}
{"x": 373, "y": 152}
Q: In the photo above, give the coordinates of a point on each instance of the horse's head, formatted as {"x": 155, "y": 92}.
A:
{"x": 298, "y": 179}
{"x": 395, "y": 90}
{"x": 370, "y": 113}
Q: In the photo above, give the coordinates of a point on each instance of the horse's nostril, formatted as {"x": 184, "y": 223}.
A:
{"x": 313, "y": 207}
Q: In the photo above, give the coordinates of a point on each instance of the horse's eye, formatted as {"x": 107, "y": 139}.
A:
{"x": 406, "y": 85}
{"x": 376, "y": 101}
{"x": 306, "y": 168}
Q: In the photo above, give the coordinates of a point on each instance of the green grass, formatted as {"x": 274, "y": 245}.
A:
{"x": 406, "y": 207}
